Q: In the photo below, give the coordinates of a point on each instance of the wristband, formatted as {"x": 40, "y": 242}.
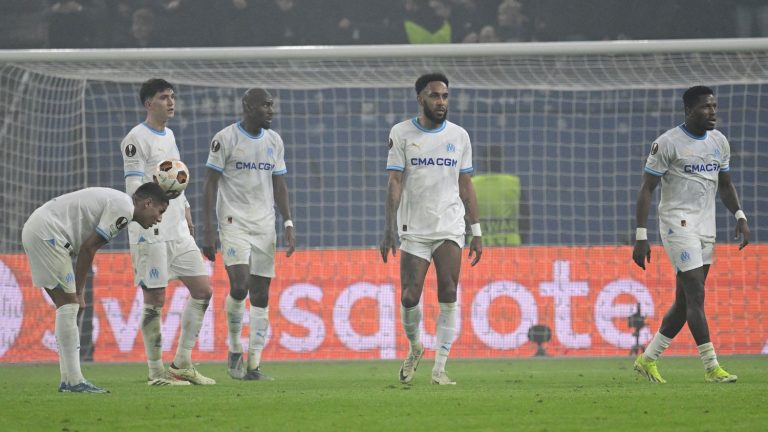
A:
{"x": 288, "y": 223}
{"x": 740, "y": 215}
{"x": 476, "y": 232}
{"x": 641, "y": 234}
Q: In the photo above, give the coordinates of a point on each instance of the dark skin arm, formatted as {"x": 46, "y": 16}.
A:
{"x": 281, "y": 200}
{"x": 83, "y": 264}
{"x": 210, "y": 190}
{"x": 642, "y": 250}
{"x": 469, "y": 198}
{"x": 730, "y": 198}
{"x": 394, "y": 193}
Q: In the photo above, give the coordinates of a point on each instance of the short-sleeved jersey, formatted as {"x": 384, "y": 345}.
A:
{"x": 246, "y": 163}
{"x": 431, "y": 161}
{"x": 73, "y": 217}
{"x": 689, "y": 167}
{"x": 143, "y": 149}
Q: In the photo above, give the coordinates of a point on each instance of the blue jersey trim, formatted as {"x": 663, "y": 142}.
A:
{"x": 103, "y": 234}
{"x": 395, "y": 168}
{"x": 154, "y": 131}
{"x": 415, "y": 122}
{"x": 467, "y": 170}
{"x": 214, "y": 167}
{"x": 279, "y": 173}
{"x": 261, "y": 132}
{"x": 653, "y": 172}
{"x": 690, "y": 134}
{"x": 134, "y": 174}
{"x": 725, "y": 169}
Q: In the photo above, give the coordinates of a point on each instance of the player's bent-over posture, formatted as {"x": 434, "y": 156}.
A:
{"x": 245, "y": 180}
{"x": 167, "y": 251}
{"x": 78, "y": 224}
{"x": 692, "y": 163}
{"x": 430, "y": 189}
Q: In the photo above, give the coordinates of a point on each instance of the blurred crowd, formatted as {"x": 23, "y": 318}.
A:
{"x": 188, "y": 23}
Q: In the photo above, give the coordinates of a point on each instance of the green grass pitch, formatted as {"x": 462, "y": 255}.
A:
{"x": 549, "y": 394}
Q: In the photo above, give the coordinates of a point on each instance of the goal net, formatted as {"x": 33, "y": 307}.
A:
{"x": 562, "y": 131}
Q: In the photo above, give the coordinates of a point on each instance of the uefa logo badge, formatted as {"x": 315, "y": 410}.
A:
{"x": 450, "y": 148}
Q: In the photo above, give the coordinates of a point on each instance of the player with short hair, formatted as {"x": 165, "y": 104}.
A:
{"x": 78, "y": 224}
{"x": 245, "y": 180}
{"x": 692, "y": 163}
{"x": 167, "y": 251}
{"x": 430, "y": 188}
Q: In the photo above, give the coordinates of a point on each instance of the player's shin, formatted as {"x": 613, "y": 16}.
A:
{"x": 153, "y": 341}
{"x": 410, "y": 318}
{"x": 68, "y": 340}
{"x": 259, "y": 326}
{"x": 446, "y": 331}
{"x": 235, "y": 309}
{"x": 191, "y": 322}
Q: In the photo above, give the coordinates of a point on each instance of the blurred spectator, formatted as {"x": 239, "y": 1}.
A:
{"x": 22, "y": 24}
{"x": 145, "y": 30}
{"x": 512, "y": 24}
{"x": 423, "y": 25}
{"x": 77, "y": 24}
{"x": 361, "y": 22}
{"x": 468, "y": 17}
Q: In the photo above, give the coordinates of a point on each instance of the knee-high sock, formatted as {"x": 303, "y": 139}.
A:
{"x": 411, "y": 318}
{"x": 657, "y": 346}
{"x": 68, "y": 340}
{"x": 191, "y": 322}
{"x": 708, "y": 356}
{"x": 259, "y": 325}
{"x": 153, "y": 340}
{"x": 235, "y": 309}
{"x": 446, "y": 330}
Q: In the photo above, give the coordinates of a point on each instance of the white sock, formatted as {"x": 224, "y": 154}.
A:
{"x": 410, "y": 318}
{"x": 259, "y": 325}
{"x": 235, "y": 309}
{"x": 708, "y": 356}
{"x": 657, "y": 346}
{"x": 68, "y": 340}
{"x": 191, "y": 322}
{"x": 446, "y": 330}
{"x": 153, "y": 340}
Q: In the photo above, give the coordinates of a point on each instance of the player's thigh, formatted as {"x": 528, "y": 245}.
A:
{"x": 150, "y": 265}
{"x": 415, "y": 258}
{"x": 684, "y": 251}
{"x": 185, "y": 259}
{"x": 447, "y": 259}
{"x": 262, "y": 259}
{"x": 49, "y": 263}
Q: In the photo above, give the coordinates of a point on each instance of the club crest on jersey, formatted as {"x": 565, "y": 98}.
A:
{"x": 130, "y": 150}
{"x": 716, "y": 153}
{"x": 450, "y": 148}
{"x": 215, "y": 146}
{"x": 654, "y": 148}
{"x": 270, "y": 152}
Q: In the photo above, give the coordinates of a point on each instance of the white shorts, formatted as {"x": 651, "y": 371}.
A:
{"x": 687, "y": 251}
{"x": 50, "y": 261}
{"x": 154, "y": 264}
{"x": 425, "y": 248}
{"x": 239, "y": 246}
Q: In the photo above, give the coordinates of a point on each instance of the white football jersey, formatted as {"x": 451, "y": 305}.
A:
{"x": 143, "y": 149}
{"x": 689, "y": 167}
{"x": 73, "y": 217}
{"x": 247, "y": 164}
{"x": 431, "y": 161}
